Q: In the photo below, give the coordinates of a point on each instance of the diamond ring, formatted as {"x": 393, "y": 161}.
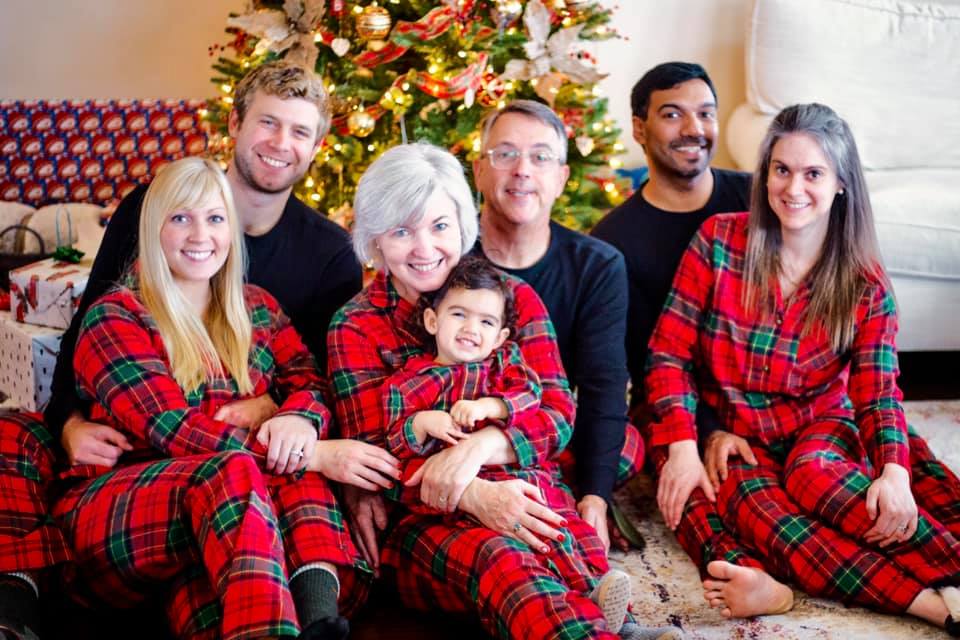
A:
{"x": 516, "y": 527}
{"x": 299, "y": 454}
{"x": 442, "y": 499}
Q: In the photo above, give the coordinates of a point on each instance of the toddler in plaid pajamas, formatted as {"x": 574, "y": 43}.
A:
{"x": 236, "y": 526}
{"x": 783, "y": 321}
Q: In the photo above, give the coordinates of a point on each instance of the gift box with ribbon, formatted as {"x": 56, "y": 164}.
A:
{"x": 47, "y": 292}
{"x": 28, "y": 355}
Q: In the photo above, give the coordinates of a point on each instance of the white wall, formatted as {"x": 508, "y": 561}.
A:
{"x": 150, "y": 48}
{"x": 109, "y": 48}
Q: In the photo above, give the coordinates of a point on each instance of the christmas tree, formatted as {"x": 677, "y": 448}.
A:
{"x": 409, "y": 70}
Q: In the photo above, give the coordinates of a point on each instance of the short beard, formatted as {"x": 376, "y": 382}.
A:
{"x": 243, "y": 168}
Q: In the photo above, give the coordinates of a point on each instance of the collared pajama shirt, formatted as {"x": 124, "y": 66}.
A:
{"x": 765, "y": 378}
{"x": 424, "y": 385}
{"x": 374, "y": 335}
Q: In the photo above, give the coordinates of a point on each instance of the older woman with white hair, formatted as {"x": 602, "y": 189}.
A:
{"x": 489, "y": 549}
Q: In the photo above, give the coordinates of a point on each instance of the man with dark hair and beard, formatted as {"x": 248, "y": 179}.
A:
{"x": 675, "y": 120}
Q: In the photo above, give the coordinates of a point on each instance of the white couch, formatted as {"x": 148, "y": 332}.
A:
{"x": 891, "y": 68}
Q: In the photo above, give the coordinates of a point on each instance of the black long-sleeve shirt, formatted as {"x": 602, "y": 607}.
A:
{"x": 652, "y": 242}
{"x": 583, "y": 283}
{"x": 305, "y": 261}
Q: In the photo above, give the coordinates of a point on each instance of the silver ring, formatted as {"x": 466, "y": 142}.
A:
{"x": 442, "y": 498}
{"x": 516, "y": 527}
{"x": 299, "y": 454}
{"x": 903, "y": 528}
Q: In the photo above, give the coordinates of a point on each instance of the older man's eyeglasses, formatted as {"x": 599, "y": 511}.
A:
{"x": 506, "y": 157}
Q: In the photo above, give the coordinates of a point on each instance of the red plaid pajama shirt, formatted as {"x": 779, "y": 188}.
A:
{"x": 820, "y": 423}
{"x": 453, "y": 563}
{"x": 192, "y": 493}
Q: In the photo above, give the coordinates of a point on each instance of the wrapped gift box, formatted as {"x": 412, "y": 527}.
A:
{"x": 28, "y": 355}
{"x": 47, "y": 292}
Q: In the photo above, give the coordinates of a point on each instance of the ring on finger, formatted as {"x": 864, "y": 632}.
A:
{"x": 517, "y": 527}
{"x": 442, "y": 499}
{"x": 299, "y": 454}
{"x": 903, "y": 528}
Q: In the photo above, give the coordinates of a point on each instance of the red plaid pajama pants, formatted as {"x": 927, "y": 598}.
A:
{"x": 458, "y": 566}
{"x": 214, "y": 533}
{"x": 29, "y": 539}
{"x": 827, "y": 474}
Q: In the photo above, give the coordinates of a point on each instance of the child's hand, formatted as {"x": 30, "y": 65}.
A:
{"x": 439, "y": 425}
{"x": 467, "y": 413}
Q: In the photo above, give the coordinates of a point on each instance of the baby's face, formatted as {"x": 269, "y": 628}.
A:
{"x": 468, "y": 325}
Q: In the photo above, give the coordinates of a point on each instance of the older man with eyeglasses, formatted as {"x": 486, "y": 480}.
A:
{"x": 582, "y": 281}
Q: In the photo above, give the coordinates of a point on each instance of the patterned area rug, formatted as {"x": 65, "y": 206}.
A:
{"x": 667, "y": 586}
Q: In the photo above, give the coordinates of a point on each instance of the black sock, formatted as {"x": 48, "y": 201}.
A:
{"x": 18, "y": 601}
{"x": 315, "y": 595}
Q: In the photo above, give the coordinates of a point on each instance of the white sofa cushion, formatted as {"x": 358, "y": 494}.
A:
{"x": 891, "y": 68}
{"x": 916, "y": 214}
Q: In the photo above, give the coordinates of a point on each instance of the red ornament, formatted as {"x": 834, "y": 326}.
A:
{"x": 9, "y": 191}
{"x": 18, "y": 121}
{"x": 44, "y": 168}
{"x": 113, "y": 167}
{"x": 8, "y": 145}
{"x": 102, "y": 191}
{"x": 78, "y": 145}
{"x": 159, "y": 120}
{"x": 66, "y": 121}
{"x": 112, "y": 121}
{"x": 42, "y": 121}
{"x": 147, "y": 143}
{"x": 56, "y": 190}
{"x": 195, "y": 144}
{"x": 79, "y": 190}
{"x": 32, "y": 191}
{"x": 89, "y": 121}
{"x": 136, "y": 121}
{"x": 124, "y": 144}
{"x": 20, "y": 168}
{"x": 171, "y": 144}
{"x": 54, "y": 144}
{"x": 68, "y": 168}
{"x": 136, "y": 167}
{"x": 183, "y": 120}
{"x": 102, "y": 144}
{"x": 30, "y": 145}
{"x": 90, "y": 168}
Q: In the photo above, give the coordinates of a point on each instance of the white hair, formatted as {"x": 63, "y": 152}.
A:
{"x": 394, "y": 190}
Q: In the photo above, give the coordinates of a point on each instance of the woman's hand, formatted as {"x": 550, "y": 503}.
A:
{"x": 248, "y": 413}
{"x": 290, "y": 441}
{"x": 514, "y": 508}
{"x": 890, "y": 502}
{"x": 367, "y": 515}
{"x": 721, "y": 446}
{"x": 92, "y": 443}
{"x": 445, "y": 475}
{"x": 682, "y": 473}
{"x": 355, "y": 463}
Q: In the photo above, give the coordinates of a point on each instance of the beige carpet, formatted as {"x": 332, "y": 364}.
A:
{"x": 667, "y": 586}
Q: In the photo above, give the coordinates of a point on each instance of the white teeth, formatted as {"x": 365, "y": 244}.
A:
{"x": 688, "y": 149}
{"x": 273, "y": 162}
{"x": 423, "y": 268}
{"x": 198, "y": 255}
{"x": 795, "y": 205}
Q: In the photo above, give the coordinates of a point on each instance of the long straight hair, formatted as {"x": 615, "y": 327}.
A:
{"x": 199, "y": 347}
{"x": 849, "y": 258}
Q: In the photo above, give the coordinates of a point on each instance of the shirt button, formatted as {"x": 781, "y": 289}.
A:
{"x": 779, "y": 318}
{"x": 766, "y": 368}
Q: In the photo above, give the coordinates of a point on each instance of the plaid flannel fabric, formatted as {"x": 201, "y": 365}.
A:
{"x": 245, "y": 527}
{"x": 373, "y": 335}
{"x": 29, "y": 539}
{"x": 766, "y": 379}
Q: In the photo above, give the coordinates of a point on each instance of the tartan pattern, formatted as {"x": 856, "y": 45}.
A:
{"x": 140, "y": 526}
{"x": 373, "y": 335}
{"x": 423, "y": 385}
{"x": 764, "y": 378}
{"x": 208, "y": 504}
{"x": 29, "y": 538}
{"x": 827, "y": 474}
{"x": 455, "y": 565}
{"x": 121, "y": 366}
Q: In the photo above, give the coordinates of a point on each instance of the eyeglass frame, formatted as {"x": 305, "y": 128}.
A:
{"x": 539, "y": 148}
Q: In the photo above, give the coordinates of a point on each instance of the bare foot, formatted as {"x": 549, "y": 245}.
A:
{"x": 742, "y": 592}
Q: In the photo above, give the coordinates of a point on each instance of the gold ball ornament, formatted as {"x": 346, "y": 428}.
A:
{"x": 576, "y": 6}
{"x": 507, "y": 11}
{"x": 374, "y": 23}
{"x": 360, "y": 123}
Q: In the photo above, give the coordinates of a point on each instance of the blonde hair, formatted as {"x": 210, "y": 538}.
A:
{"x": 284, "y": 80}
{"x": 199, "y": 348}
{"x": 850, "y": 257}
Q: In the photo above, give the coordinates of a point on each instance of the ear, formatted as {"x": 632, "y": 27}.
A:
{"x": 233, "y": 123}
{"x": 639, "y": 130}
{"x": 504, "y": 334}
{"x": 430, "y": 321}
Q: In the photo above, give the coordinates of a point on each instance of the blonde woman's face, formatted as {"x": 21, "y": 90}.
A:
{"x": 196, "y": 241}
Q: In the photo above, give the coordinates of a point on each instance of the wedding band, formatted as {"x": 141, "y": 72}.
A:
{"x": 903, "y": 528}
{"x": 516, "y": 527}
{"x": 299, "y": 454}
{"x": 442, "y": 498}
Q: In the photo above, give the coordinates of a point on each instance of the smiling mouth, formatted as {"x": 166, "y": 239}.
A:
{"x": 795, "y": 205}
{"x": 273, "y": 162}
{"x": 519, "y": 193}
{"x": 468, "y": 342}
{"x": 198, "y": 256}
{"x": 425, "y": 268}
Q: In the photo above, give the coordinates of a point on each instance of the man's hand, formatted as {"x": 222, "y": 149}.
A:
{"x": 356, "y": 463}
{"x": 721, "y": 446}
{"x": 92, "y": 443}
{"x": 682, "y": 473}
{"x": 891, "y": 503}
{"x": 367, "y": 515}
{"x": 593, "y": 510}
{"x": 249, "y": 413}
{"x": 290, "y": 441}
{"x": 446, "y": 474}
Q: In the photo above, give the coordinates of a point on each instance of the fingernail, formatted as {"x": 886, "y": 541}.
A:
{"x": 544, "y": 549}
{"x": 563, "y": 523}
{"x": 561, "y": 537}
